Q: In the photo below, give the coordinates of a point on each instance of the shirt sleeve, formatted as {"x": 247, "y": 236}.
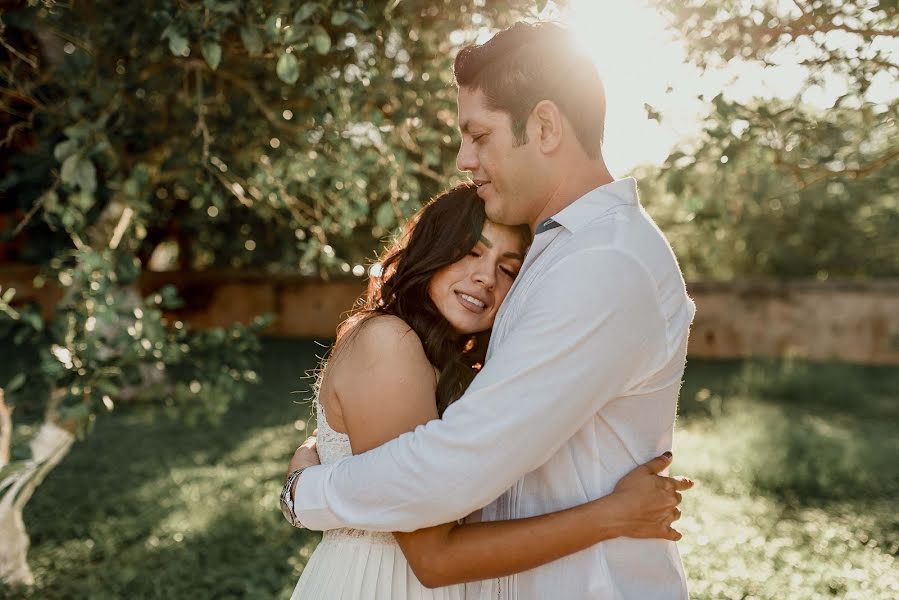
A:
{"x": 586, "y": 330}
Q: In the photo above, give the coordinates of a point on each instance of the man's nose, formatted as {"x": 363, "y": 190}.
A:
{"x": 466, "y": 160}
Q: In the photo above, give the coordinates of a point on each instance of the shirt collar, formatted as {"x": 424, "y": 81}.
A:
{"x": 597, "y": 202}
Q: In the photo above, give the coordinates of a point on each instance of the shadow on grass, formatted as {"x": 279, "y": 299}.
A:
{"x": 236, "y": 556}
{"x": 806, "y": 435}
{"x": 152, "y": 508}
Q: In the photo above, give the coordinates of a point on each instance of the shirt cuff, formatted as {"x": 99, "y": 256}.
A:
{"x": 310, "y": 505}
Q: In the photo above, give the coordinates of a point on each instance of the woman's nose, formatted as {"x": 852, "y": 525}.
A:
{"x": 485, "y": 277}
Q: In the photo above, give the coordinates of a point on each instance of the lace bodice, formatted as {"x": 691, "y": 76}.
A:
{"x": 332, "y": 446}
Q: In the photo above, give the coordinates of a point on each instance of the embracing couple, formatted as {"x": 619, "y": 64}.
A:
{"x": 495, "y": 420}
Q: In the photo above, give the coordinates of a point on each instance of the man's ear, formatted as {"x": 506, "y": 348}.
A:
{"x": 545, "y": 125}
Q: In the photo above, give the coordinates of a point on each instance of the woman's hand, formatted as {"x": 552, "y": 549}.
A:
{"x": 304, "y": 456}
{"x": 648, "y": 501}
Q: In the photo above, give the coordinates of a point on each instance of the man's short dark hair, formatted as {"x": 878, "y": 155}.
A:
{"x": 527, "y": 63}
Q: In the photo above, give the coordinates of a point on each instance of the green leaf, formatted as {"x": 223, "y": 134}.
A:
{"x": 78, "y": 130}
{"x": 82, "y": 200}
{"x": 360, "y": 19}
{"x": 51, "y": 201}
{"x": 294, "y": 33}
{"x": 541, "y": 4}
{"x": 34, "y": 319}
{"x": 222, "y": 7}
{"x": 177, "y": 42}
{"x": 65, "y": 149}
{"x": 8, "y": 295}
{"x": 252, "y": 40}
{"x": 651, "y": 113}
{"x": 69, "y": 166}
{"x": 212, "y": 52}
{"x": 385, "y": 216}
{"x": 288, "y": 68}
{"x": 339, "y": 18}
{"x": 305, "y": 11}
{"x": 86, "y": 176}
{"x": 271, "y": 26}
{"x": 78, "y": 170}
{"x": 16, "y": 382}
{"x": 321, "y": 41}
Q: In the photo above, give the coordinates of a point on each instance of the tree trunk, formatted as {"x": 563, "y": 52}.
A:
{"x": 18, "y": 480}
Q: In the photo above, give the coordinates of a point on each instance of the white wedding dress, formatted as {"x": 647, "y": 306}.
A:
{"x": 353, "y": 564}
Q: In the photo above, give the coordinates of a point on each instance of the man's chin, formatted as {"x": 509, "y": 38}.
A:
{"x": 497, "y": 215}
{"x": 494, "y": 209}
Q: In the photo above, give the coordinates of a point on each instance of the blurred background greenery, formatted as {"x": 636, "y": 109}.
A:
{"x": 292, "y": 137}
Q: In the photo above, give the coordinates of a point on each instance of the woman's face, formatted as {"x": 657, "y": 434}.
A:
{"x": 469, "y": 291}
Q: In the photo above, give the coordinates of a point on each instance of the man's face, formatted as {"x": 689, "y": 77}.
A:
{"x": 507, "y": 174}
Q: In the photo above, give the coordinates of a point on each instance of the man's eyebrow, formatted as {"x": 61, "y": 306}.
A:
{"x": 468, "y": 124}
{"x": 485, "y": 241}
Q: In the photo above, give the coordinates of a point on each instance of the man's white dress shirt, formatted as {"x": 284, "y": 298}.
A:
{"x": 579, "y": 387}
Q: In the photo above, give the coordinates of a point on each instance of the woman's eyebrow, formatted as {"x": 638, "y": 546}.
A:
{"x": 483, "y": 239}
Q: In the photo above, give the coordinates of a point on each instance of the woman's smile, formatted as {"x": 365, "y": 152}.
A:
{"x": 471, "y": 303}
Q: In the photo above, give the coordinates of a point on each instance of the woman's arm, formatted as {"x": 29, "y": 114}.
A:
{"x": 385, "y": 387}
{"x": 643, "y": 505}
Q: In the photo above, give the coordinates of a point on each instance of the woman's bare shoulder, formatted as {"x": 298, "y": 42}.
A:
{"x": 382, "y": 342}
{"x": 383, "y": 382}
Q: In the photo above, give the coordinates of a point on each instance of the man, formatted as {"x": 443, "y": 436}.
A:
{"x": 585, "y": 362}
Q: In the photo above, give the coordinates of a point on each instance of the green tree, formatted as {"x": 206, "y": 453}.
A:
{"x": 266, "y": 133}
{"x": 778, "y": 187}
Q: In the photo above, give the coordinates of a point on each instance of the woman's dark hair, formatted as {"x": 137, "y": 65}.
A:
{"x": 527, "y": 63}
{"x": 441, "y": 233}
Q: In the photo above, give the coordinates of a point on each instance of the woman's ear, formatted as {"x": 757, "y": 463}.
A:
{"x": 545, "y": 125}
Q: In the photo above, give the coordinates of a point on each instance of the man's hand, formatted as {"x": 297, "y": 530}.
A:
{"x": 305, "y": 456}
{"x": 648, "y": 501}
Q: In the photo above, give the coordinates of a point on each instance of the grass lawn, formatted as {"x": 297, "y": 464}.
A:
{"x": 797, "y": 466}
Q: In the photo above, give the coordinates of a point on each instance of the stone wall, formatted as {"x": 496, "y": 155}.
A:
{"x": 849, "y": 321}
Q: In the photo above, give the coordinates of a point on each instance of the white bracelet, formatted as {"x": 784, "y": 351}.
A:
{"x": 287, "y": 503}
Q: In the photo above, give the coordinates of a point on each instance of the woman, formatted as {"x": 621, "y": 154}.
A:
{"x": 400, "y": 359}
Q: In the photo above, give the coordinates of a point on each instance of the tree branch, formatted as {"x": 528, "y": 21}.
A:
{"x": 51, "y": 413}
{"x": 34, "y": 209}
{"x": 11, "y": 133}
{"x": 201, "y": 127}
{"x": 818, "y": 175}
{"x": 29, "y": 60}
{"x": 826, "y": 27}
{"x": 800, "y": 29}
{"x": 412, "y": 146}
{"x": 5, "y": 430}
{"x": 255, "y": 97}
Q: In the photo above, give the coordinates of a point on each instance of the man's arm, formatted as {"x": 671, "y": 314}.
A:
{"x": 581, "y": 338}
